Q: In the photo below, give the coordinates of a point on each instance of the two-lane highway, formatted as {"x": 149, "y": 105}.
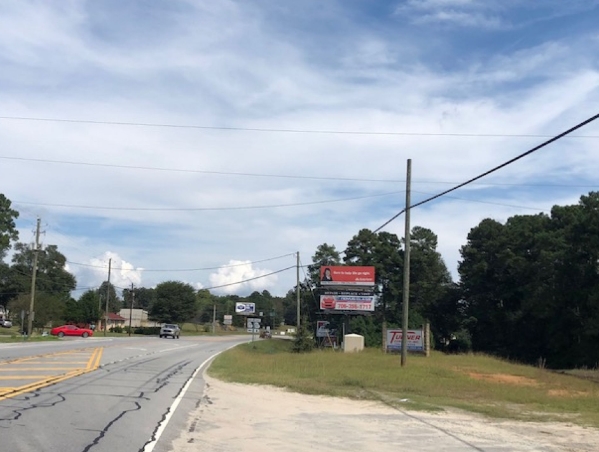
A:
{"x": 129, "y": 394}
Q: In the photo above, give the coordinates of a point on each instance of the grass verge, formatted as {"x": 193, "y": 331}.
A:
{"x": 12, "y": 339}
{"x": 476, "y": 383}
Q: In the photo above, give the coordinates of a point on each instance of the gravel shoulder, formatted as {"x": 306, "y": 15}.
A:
{"x": 236, "y": 417}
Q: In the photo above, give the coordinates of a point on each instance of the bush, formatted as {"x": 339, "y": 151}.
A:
{"x": 116, "y": 329}
{"x": 461, "y": 342}
{"x": 147, "y": 330}
{"x": 303, "y": 342}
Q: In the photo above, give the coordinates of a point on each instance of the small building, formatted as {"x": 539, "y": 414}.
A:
{"x": 115, "y": 320}
{"x": 139, "y": 318}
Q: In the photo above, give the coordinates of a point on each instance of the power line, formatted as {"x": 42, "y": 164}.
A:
{"x": 204, "y": 209}
{"x": 492, "y": 170}
{"x": 282, "y": 130}
{"x": 279, "y": 176}
{"x": 184, "y": 269}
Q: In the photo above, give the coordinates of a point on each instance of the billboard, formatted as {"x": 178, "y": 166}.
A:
{"x": 415, "y": 340}
{"x": 245, "y": 308}
{"x": 347, "y": 275}
{"x": 354, "y": 302}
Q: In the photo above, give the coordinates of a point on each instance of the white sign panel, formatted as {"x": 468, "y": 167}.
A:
{"x": 253, "y": 323}
{"x": 245, "y": 308}
{"x": 415, "y": 340}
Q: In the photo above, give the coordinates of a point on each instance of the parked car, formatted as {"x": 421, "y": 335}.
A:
{"x": 71, "y": 330}
{"x": 169, "y": 329}
{"x": 6, "y": 323}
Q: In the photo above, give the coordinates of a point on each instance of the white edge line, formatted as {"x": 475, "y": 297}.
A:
{"x": 149, "y": 447}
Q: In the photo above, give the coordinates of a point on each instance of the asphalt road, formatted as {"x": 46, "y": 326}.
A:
{"x": 138, "y": 399}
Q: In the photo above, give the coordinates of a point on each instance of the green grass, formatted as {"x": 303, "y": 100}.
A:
{"x": 475, "y": 383}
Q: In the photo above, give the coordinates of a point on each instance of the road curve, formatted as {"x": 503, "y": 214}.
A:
{"x": 138, "y": 399}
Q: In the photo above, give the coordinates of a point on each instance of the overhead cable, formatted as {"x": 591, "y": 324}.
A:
{"x": 492, "y": 170}
{"x": 280, "y": 130}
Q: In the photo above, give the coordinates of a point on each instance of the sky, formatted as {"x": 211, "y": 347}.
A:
{"x": 209, "y": 142}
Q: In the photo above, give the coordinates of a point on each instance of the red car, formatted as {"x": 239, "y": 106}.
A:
{"x": 71, "y": 330}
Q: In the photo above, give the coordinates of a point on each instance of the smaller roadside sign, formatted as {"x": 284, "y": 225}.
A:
{"x": 415, "y": 340}
{"x": 322, "y": 328}
{"x": 253, "y": 323}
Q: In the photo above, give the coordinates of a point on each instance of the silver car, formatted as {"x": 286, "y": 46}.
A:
{"x": 169, "y": 329}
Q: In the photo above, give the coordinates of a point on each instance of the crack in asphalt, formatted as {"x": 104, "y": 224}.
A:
{"x": 19, "y": 411}
{"x": 110, "y": 424}
{"x": 168, "y": 410}
{"x": 161, "y": 379}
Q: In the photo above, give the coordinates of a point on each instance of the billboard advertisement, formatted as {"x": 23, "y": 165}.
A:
{"x": 347, "y": 302}
{"x": 415, "y": 340}
{"x": 346, "y": 275}
{"x": 245, "y": 308}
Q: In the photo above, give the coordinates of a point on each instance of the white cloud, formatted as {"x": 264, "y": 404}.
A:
{"x": 122, "y": 273}
{"x": 240, "y": 64}
{"x": 237, "y": 271}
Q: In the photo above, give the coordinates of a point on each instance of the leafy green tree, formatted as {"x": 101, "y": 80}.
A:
{"x": 52, "y": 277}
{"x": 325, "y": 255}
{"x": 175, "y": 303}
{"x": 8, "y": 228}
{"x": 85, "y": 310}
{"x": 530, "y": 285}
{"x": 114, "y": 302}
{"x": 49, "y": 308}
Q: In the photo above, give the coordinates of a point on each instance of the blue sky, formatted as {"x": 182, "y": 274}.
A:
{"x": 171, "y": 198}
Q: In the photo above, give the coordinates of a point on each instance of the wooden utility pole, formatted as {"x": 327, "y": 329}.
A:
{"x": 36, "y": 250}
{"x": 131, "y": 309}
{"x": 107, "y": 297}
{"x": 298, "y": 293}
{"x": 406, "y": 271}
{"x": 214, "y": 318}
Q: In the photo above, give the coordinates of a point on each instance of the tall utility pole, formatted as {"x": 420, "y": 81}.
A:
{"x": 107, "y": 297}
{"x": 33, "y": 277}
{"x": 298, "y": 293}
{"x": 406, "y": 272}
{"x": 131, "y": 309}
{"x": 214, "y": 319}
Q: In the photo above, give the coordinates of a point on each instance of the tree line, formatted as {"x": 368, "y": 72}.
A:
{"x": 528, "y": 287}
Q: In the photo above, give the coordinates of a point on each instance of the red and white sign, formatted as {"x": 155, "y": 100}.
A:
{"x": 347, "y": 275}
{"x": 347, "y": 302}
{"x": 415, "y": 340}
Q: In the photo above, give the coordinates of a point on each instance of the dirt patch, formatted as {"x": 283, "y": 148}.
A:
{"x": 233, "y": 417}
{"x": 505, "y": 378}
{"x": 566, "y": 393}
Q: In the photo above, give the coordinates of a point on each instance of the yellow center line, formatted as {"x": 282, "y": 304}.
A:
{"x": 36, "y": 369}
{"x": 46, "y": 363}
{"x": 24, "y": 377}
{"x": 54, "y": 362}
